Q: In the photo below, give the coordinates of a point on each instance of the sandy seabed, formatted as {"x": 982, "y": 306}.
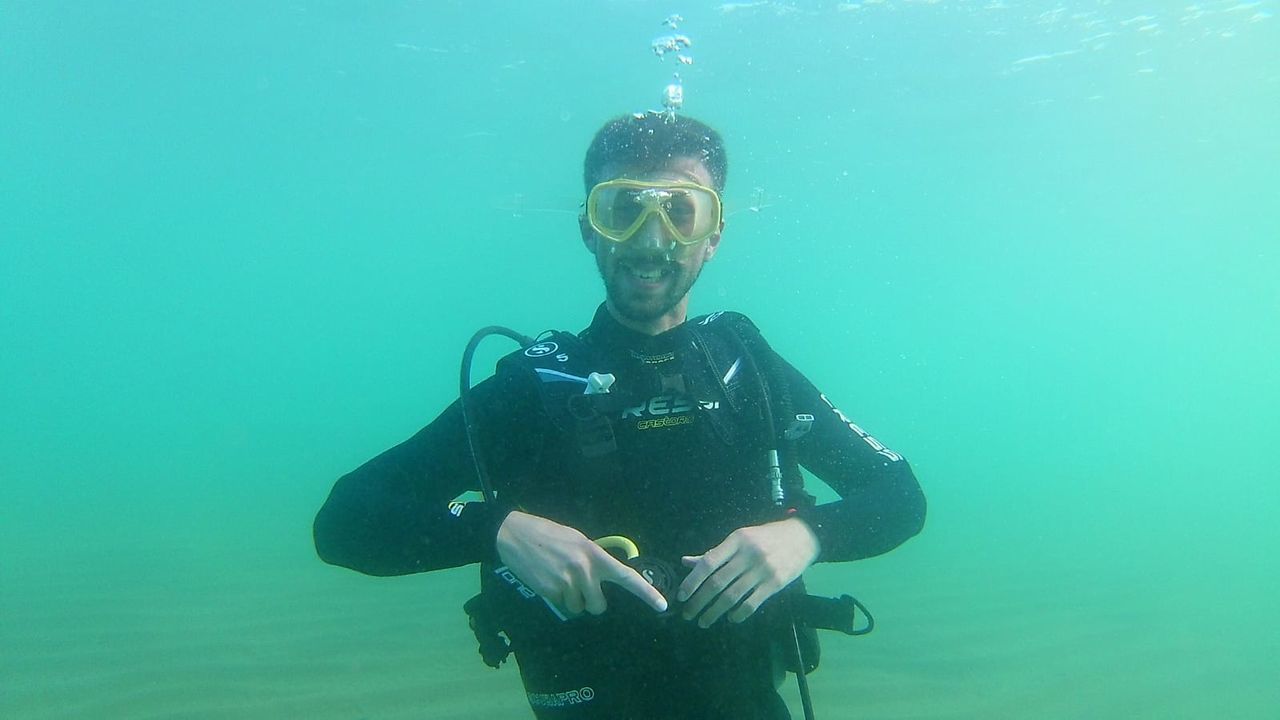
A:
{"x": 286, "y": 637}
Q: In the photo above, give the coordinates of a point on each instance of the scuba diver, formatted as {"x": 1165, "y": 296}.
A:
{"x": 645, "y": 525}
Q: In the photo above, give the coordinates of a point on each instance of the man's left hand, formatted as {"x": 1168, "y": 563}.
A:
{"x": 749, "y": 567}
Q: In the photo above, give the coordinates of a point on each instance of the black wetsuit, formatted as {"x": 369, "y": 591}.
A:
{"x": 687, "y": 470}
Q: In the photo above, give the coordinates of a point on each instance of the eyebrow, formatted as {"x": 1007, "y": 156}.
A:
{"x": 632, "y": 172}
{"x": 641, "y": 175}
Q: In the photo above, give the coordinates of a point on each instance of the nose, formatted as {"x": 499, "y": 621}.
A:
{"x": 653, "y": 237}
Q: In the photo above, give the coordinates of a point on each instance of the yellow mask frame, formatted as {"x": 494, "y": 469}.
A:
{"x": 655, "y": 198}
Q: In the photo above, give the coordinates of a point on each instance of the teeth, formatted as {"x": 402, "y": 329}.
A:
{"x": 649, "y": 275}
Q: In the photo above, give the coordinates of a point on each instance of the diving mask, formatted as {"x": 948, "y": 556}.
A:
{"x": 689, "y": 212}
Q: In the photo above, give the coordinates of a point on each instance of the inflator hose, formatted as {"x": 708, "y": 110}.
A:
{"x": 465, "y": 388}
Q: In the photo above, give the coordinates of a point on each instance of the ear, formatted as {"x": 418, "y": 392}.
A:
{"x": 713, "y": 243}
{"x": 588, "y": 233}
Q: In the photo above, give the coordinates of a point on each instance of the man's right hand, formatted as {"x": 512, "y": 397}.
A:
{"x": 565, "y": 567}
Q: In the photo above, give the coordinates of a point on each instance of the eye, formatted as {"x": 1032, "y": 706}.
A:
{"x": 624, "y": 210}
{"x": 682, "y": 211}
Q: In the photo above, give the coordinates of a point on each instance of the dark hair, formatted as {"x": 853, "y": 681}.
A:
{"x": 650, "y": 141}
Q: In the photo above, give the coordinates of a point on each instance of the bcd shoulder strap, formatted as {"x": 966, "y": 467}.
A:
{"x": 559, "y": 363}
{"x": 744, "y": 337}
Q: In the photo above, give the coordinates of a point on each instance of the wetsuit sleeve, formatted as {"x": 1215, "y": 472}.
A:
{"x": 394, "y": 515}
{"x": 881, "y": 504}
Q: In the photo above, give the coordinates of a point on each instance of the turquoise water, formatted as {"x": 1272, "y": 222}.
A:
{"x": 1030, "y": 245}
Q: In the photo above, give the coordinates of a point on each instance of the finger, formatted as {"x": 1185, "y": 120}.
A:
{"x": 593, "y": 599}
{"x": 578, "y": 578}
{"x": 571, "y": 601}
{"x": 727, "y": 599}
{"x": 631, "y": 581}
{"x": 703, "y": 566}
{"x": 748, "y": 607}
{"x": 710, "y": 588}
{"x": 693, "y": 579}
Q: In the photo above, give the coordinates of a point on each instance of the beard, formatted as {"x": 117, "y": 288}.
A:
{"x": 640, "y": 306}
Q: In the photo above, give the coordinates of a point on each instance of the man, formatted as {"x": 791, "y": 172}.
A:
{"x": 673, "y": 455}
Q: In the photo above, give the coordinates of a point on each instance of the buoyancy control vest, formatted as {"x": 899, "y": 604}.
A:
{"x": 722, "y": 375}
{"x": 716, "y": 375}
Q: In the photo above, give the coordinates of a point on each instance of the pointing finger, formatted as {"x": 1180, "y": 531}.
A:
{"x": 631, "y": 581}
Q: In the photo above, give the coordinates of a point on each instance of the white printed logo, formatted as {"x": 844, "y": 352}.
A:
{"x": 874, "y": 443}
{"x": 542, "y": 348}
{"x": 505, "y": 573}
{"x": 660, "y": 405}
{"x": 562, "y": 699}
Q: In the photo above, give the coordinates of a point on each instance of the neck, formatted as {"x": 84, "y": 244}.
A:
{"x": 672, "y": 318}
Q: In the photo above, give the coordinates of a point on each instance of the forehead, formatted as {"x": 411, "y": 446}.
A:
{"x": 676, "y": 168}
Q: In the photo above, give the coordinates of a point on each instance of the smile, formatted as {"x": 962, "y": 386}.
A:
{"x": 648, "y": 274}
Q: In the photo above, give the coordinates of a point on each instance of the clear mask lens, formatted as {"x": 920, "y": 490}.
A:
{"x": 688, "y": 212}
